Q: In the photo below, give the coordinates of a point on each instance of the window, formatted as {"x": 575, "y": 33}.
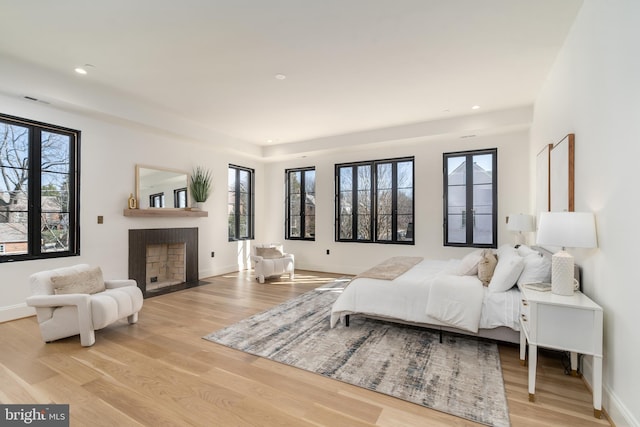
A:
{"x": 301, "y": 204}
{"x": 180, "y": 198}
{"x": 39, "y": 174}
{"x": 240, "y": 203}
{"x": 156, "y": 200}
{"x": 470, "y": 198}
{"x": 374, "y": 201}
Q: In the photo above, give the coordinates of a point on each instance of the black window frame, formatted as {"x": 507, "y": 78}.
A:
{"x": 156, "y": 197}
{"x": 236, "y": 202}
{"x": 176, "y": 197}
{"x": 303, "y": 204}
{"x": 469, "y": 212}
{"x": 373, "y": 206}
{"x": 35, "y": 210}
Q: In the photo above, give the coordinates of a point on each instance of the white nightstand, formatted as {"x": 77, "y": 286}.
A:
{"x": 569, "y": 323}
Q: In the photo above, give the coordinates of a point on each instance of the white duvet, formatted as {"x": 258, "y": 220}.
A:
{"x": 430, "y": 293}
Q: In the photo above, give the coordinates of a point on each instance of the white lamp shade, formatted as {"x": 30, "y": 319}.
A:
{"x": 520, "y": 222}
{"x": 567, "y": 229}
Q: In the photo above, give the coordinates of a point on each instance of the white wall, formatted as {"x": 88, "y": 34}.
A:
{"x": 109, "y": 152}
{"x": 593, "y": 90}
{"x": 513, "y": 197}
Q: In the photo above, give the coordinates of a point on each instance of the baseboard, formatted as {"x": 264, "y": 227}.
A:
{"x": 615, "y": 410}
{"x": 203, "y": 274}
{"x": 14, "y": 312}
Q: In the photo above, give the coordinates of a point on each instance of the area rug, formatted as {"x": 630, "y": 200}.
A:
{"x": 460, "y": 376}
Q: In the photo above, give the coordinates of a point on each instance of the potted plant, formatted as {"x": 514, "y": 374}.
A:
{"x": 200, "y": 185}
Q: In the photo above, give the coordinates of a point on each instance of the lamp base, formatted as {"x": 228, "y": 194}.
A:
{"x": 562, "y": 274}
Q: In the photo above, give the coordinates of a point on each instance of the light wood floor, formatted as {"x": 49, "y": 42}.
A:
{"x": 161, "y": 372}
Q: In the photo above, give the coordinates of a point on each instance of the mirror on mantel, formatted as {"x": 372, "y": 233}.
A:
{"x": 161, "y": 188}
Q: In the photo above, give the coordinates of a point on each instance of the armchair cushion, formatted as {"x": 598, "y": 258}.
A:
{"x": 79, "y": 282}
{"x": 269, "y": 253}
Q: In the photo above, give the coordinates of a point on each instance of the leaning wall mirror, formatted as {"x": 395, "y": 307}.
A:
{"x": 561, "y": 175}
{"x": 161, "y": 188}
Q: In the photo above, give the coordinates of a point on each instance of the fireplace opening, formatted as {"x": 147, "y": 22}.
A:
{"x": 165, "y": 265}
{"x": 164, "y": 260}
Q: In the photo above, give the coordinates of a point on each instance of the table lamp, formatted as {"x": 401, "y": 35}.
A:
{"x": 520, "y": 223}
{"x": 567, "y": 230}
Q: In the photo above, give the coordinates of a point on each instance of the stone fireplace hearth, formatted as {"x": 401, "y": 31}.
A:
{"x": 163, "y": 260}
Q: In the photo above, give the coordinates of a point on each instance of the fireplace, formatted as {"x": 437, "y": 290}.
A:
{"x": 163, "y": 260}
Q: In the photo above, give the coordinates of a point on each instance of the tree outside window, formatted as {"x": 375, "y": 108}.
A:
{"x": 375, "y": 201}
{"x": 301, "y": 204}
{"x": 470, "y": 198}
{"x": 38, "y": 190}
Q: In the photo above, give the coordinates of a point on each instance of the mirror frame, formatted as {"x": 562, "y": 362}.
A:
{"x": 177, "y": 171}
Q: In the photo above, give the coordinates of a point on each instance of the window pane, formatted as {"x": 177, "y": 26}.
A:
{"x": 55, "y": 192}
{"x": 364, "y": 177}
{"x": 405, "y": 228}
{"x": 309, "y": 226}
{"x": 346, "y": 227}
{"x": 405, "y": 175}
{"x": 456, "y": 230}
{"x": 294, "y": 183}
{"x": 482, "y": 169}
{"x": 310, "y": 182}
{"x": 385, "y": 206}
{"x": 244, "y": 181}
{"x": 55, "y": 152}
{"x": 384, "y": 177}
{"x": 405, "y": 201}
{"x": 482, "y": 229}
{"x": 294, "y": 226}
{"x": 346, "y": 178}
{"x": 364, "y": 227}
{"x": 55, "y": 232}
{"x": 383, "y": 224}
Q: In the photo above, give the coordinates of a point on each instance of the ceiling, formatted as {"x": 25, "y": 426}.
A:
{"x": 349, "y": 65}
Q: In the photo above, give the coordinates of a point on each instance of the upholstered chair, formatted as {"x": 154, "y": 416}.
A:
{"x": 76, "y": 300}
{"x": 270, "y": 260}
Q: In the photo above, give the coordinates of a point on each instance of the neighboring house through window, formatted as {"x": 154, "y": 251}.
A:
{"x": 39, "y": 187}
{"x": 301, "y": 204}
{"x": 375, "y": 201}
{"x": 241, "y": 203}
{"x": 470, "y": 198}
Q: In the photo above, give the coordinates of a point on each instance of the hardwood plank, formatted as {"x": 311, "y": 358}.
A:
{"x": 161, "y": 372}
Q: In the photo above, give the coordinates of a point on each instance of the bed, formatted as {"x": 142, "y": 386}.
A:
{"x": 451, "y": 295}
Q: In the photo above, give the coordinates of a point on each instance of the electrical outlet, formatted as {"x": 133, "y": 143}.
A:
{"x": 100, "y": 219}
{"x": 213, "y": 254}
{"x": 328, "y": 252}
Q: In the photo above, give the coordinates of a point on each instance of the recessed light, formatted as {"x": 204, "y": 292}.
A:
{"x": 269, "y": 140}
{"x": 280, "y": 77}
{"x": 80, "y": 70}
{"x": 475, "y": 107}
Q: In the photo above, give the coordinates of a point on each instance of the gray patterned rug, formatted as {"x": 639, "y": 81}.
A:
{"x": 461, "y": 376}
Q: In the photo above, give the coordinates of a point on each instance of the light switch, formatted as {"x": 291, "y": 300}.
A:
{"x": 100, "y": 219}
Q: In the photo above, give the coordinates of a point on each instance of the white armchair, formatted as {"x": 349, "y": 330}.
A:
{"x": 270, "y": 260}
{"x": 76, "y": 300}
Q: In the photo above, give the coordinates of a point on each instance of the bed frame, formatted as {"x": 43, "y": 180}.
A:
{"x": 501, "y": 333}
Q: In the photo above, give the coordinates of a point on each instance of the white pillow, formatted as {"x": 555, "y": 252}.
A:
{"x": 524, "y": 251}
{"x": 536, "y": 269}
{"x": 506, "y": 273}
{"x": 506, "y": 250}
{"x": 469, "y": 264}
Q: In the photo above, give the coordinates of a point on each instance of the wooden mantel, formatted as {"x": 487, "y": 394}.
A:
{"x": 164, "y": 212}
